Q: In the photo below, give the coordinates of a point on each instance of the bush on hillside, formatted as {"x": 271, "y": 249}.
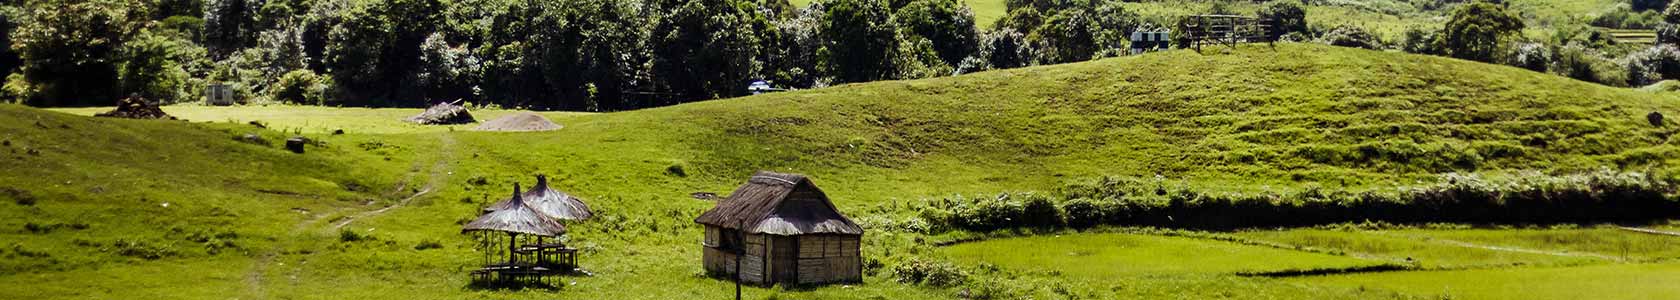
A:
{"x": 1285, "y": 17}
{"x": 1421, "y": 41}
{"x": 1602, "y": 196}
{"x": 930, "y": 273}
{"x": 1653, "y": 65}
{"x": 1532, "y": 56}
{"x": 1351, "y": 36}
{"x": 1621, "y": 17}
{"x": 1587, "y": 64}
{"x": 302, "y": 87}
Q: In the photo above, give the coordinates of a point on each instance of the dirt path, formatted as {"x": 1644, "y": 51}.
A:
{"x": 1650, "y": 231}
{"x": 255, "y": 280}
{"x": 439, "y": 174}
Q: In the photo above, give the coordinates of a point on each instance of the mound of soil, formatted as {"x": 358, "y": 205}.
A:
{"x": 522, "y": 121}
{"x": 135, "y": 107}
{"x": 443, "y": 114}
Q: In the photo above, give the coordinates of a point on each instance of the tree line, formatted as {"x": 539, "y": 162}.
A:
{"x": 596, "y": 55}
{"x": 606, "y": 55}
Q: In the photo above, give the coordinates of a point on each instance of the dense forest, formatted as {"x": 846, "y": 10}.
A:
{"x": 604, "y": 55}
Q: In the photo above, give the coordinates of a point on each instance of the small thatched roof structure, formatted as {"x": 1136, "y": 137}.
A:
{"x": 549, "y": 202}
{"x": 443, "y": 114}
{"x": 779, "y": 204}
{"x": 516, "y": 218}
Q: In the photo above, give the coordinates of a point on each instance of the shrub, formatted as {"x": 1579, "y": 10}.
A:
{"x": 930, "y": 273}
{"x": 428, "y": 244}
{"x": 302, "y": 87}
{"x": 1083, "y": 213}
{"x": 1586, "y": 64}
{"x": 1653, "y": 65}
{"x": 1531, "y": 56}
{"x": 1285, "y": 17}
{"x": 142, "y": 249}
{"x": 1039, "y": 211}
{"x": 1421, "y": 41}
{"x": 1350, "y": 36}
{"x": 1602, "y": 196}
{"x": 346, "y": 235}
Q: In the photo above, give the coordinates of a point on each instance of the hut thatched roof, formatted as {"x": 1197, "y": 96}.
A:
{"x": 549, "y": 202}
{"x": 779, "y": 204}
{"x": 517, "y": 218}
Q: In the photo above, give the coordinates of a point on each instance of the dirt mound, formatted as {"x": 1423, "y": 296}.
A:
{"x": 136, "y": 107}
{"x": 522, "y": 121}
{"x": 443, "y": 114}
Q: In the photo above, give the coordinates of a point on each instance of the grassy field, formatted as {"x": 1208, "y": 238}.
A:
{"x": 1117, "y": 255}
{"x": 1616, "y": 281}
{"x": 87, "y": 209}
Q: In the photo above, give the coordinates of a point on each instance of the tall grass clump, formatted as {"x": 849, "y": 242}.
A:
{"x": 1602, "y": 196}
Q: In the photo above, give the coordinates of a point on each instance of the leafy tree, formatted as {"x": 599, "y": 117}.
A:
{"x": 793, "y": 59}
{"x": 1668, "y": 32}
{"x": 1639, "y": 5}
{"x": 589, "y": 52}
{"x": 1477, "y": 30}
{"x": 447, "y": 72}
{"x": 1285, "y": 17}
{"x": 1068, "y": 37}
{"x": 9, "y": 59}
{"x": 302, "y": 87}
{"x": 862, "y": 40}
{"x": 708, "y": 49}
{"x": 1653, "y": 64}
{"x": 230, "y": 25}
{"x": 163, "y": 9}
{"x": 70, "y": 48}
{"x": 1001, "y": 49}
{"x": 946, "y": 24}
{"x": 162, "y": 68}
{"x": 374, "y": 51}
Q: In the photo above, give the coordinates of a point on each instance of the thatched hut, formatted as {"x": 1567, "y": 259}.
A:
{"x": 517, "y": 219}
{"x": 549, "y": 202}
{"x": 780, "y": 228}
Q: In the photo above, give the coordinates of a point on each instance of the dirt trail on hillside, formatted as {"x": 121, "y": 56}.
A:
{"x": 255, "y": 280}
{"x": 439, "y": 174}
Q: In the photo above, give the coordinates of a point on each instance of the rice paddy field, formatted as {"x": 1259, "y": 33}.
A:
{"x": 108, "y": 208}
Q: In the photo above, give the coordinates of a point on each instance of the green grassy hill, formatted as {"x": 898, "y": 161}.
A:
{"x": 258, "y": 222}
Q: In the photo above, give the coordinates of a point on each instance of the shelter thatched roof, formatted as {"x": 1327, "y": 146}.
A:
{"x": 779, "y": 204}
{"x": 443, "y": 114}
{"x": 517, "y": 218}
{"x": 549, "y": 202}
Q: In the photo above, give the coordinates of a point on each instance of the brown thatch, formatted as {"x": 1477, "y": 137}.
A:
{"x": 779, "y": 204}
{"x": 517, "y": 218}
{"x": 549, "y": 202}
{"x": 443, "y": 114}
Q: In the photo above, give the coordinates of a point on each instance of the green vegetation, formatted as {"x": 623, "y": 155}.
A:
{"x": 1254, "y": 119}
{"x": 1113, "y": 255}
{"x": 1616, "y": 281}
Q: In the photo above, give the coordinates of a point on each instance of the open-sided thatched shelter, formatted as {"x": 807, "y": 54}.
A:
{"x": 549, "y": 202}
{"x": 519, "y": 219}
{"x": 779, "y": 228}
